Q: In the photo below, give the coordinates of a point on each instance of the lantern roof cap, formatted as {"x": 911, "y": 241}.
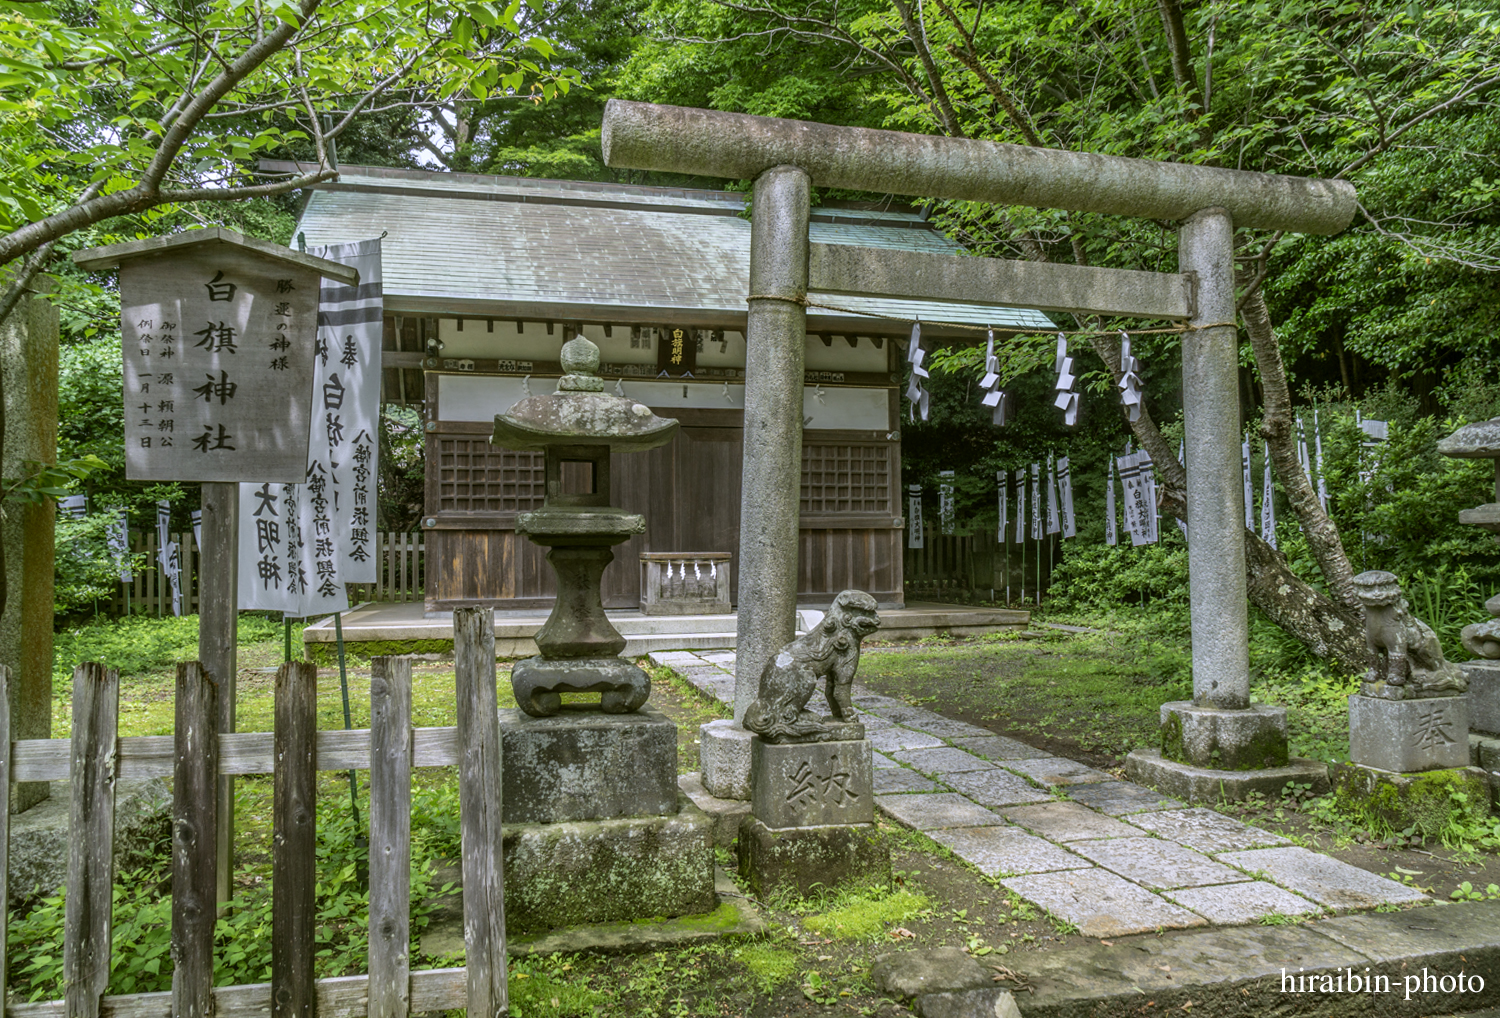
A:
{"x": 1477, "y": 441}
{"x": 111, "y": 255}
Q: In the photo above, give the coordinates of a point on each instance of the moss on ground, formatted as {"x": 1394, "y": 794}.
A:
{"x": 325, "y": 654}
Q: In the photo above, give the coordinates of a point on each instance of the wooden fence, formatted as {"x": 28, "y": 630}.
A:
{"x": 970, "y": 567}
{"x": 195, "y": 756}
{"x": 400, "y": 576}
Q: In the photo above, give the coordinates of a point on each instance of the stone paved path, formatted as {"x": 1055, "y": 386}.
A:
{"x": 1109, "y": 856}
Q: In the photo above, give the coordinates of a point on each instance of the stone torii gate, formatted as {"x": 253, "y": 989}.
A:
{"x": 1220, "y": 733}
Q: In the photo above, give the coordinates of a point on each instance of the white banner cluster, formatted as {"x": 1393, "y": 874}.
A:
{"x": 1067, "y": 399}
{"x": 1130, "y": 379}
{"x": 996, "y": 398}
{"x": 916, "y": 392}
{"x": 301, "y": 543}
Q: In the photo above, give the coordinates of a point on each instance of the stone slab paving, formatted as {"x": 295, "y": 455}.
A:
{"x": 1206, "y": 831}
{"x": 942, "y": 760}
{"x": 1246, "y": 902}
{"x": 936, "y": 811}
{"x": 892, "y": 780}
{"x": 1100, "y": 903}
{"x": 894, "y": 739}
{"x": 1000, "y": 747}
{"x": 1068, "y": 821}
{"x": 1330, "y": 882}
{"x": 1156, "y": 864}
{"x": 1056, "y": 770}
{"x": 1120, "y": 798}
{"x": 1007, "y": 851}
{"x": 1074, "y": 858}
{"x": 995, "y": 787}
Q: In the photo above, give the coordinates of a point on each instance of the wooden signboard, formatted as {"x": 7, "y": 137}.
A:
{"x": 218, "y": 334}
{"x": 676, "y": 351}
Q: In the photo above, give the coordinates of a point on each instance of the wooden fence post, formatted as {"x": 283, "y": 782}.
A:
{"x": 294, "y": 842}
{"x": 4, "y": 819}
{"x": 91, "y": 839}
{"x": 479, "y": 810}
{"x": 195, "y": 775}
{"x": 390, "y": 837}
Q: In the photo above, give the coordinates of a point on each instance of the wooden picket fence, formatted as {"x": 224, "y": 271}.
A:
{"x": 968, "y": 567}
{"x": 400, "y": 578}
{"x": 196, "y": 755}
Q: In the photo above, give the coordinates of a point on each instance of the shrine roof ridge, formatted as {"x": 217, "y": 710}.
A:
{"x": 111, "y": 255}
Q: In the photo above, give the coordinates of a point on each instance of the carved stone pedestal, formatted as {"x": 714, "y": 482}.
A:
{"x": 1406, "y": 736}
{"x": 812, "y": 817}
{"x": 1483, "y": 696}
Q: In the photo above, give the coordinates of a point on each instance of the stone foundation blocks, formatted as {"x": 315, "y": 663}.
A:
{"x": 1204, "y": 784}
{"x": 724, "y": 754}
{"x": 1398, "y": 801}
{"x": 943, "y": 982}
{"x": 804, "y": 860}
{"x": 600, "y": 871}
{"x": 1252, "y": 738}
{"x": 1483, "y": 695}
{"x": 1409, "y": 735}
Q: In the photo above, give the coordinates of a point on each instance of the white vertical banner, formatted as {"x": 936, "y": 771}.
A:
{"x": 1001, "y": 482}
{"x": 1036, "y": 501}
{"x": 117, "y": 539}
{"x": 945, "y": 502}
{"x": 174, "y": 574}
{"x": 74, "y": 507}
{"x": 1267, "y": 501}
{"x": 1054, "y": 524}
{"x": 301, "y": 543}
{"x": 914, "y": 516}
{"x": 1249, "y": 484}
{"x": 1318, "y": 449}
{"x": 198, "y": 528}
{"x": 1021, "y": 506}
{"x": 1111, "y": 535}
{"x": 1065, "y": 496}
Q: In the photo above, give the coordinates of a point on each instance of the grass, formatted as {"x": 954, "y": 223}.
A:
{"x": 865, "y": 916}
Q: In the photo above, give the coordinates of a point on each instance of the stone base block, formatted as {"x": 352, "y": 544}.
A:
{"x": 1228, "y": 740}
{"x": 1406, "y": 736}
{"x": 602, "y": 871}
{"x": 1484, "y": 753}
{"x": 943, "y": 982}
{"x": 724, "y": 752}
{"x": 1391, "y": 801}
{"x": 1483, "y": 695}
{"x": 725, "y": 813}
{"x": 811, "y": 784}
{"x": 539, "y": 683}
{"x": 802, "y": 860}
{"x": 583, "y": 765}
{"x": 1204, "y": 784}
{"x": 989, "y": 1002}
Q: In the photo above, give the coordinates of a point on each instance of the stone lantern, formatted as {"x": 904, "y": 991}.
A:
{"x": 1481, "y": 440}
{"x": 577, "y": 428}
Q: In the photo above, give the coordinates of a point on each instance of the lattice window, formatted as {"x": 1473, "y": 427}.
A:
{"x": 475, "y": 477}
{"x": 846, "y": 478}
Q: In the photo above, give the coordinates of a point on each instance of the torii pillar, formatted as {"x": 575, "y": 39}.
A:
{"x": 1217, "y": 743}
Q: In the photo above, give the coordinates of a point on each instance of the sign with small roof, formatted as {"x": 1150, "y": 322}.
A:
{"x": 218, "y": 332}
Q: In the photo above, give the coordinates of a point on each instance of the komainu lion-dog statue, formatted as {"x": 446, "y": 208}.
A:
{"x": 1406, "y": 659}
{"x": 829, "y": 652}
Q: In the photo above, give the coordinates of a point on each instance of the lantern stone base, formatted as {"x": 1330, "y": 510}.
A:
{"x": 798, "y": 861}
{"x": 1391, "y": 801}
{"x": 583, "y": 765}
{"x": 1206, "y": 784}
{"x": 1251, "y": 738}
{"x": 602, "y": 871}
{"x": 1407, "y": 736}
{"x": 1483, "y": 695}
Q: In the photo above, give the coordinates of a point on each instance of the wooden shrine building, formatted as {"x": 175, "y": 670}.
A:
{"x": 485, "y": 278}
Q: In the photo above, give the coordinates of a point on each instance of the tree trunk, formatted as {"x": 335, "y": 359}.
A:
{"x": 1277, "y": 428}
